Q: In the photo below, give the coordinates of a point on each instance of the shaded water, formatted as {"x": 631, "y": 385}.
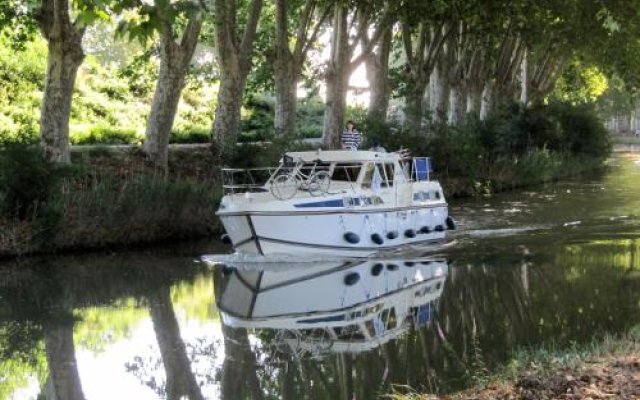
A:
{"x": 558, "y": 264}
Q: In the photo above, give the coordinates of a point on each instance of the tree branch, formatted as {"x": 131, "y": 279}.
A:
{"x": 246, "y": 45}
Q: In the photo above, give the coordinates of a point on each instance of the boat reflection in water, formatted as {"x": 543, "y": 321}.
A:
{"x": 346, "y": 307}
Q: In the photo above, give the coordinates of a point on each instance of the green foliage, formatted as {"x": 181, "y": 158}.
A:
{"x": 110, "y": 103}
{"x": 257, "y": 119}
{"x": 27, "y": 181}
{"x": 580, "y": 84}
{"x": 513, "y": 147}
{"x": 98, "y": 134}
{"x": 193, "y": 135}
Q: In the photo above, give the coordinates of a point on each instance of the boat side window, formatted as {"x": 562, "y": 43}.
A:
{"x": 389, "y": 318}
{"x": 349, "y": 332}
{"x": 369, "y": 173}
{"x": 347, "y": 172}
{"x": 389, "y": 169}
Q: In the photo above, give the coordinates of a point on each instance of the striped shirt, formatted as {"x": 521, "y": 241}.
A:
{"x": 351, "y": 139}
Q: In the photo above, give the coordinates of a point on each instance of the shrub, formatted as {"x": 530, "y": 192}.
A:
{"x": 26, "y": 181}
{"x": 193, "y": 135}
{"x": 99, "y": 134}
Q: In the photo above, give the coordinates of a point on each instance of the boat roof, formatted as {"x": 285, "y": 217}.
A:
{"x": 342, "y": 155}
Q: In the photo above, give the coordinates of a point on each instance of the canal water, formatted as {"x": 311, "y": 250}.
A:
{"x": 554, "y": 265}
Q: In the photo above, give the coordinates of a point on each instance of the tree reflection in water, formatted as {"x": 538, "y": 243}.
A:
{"x": 42, "y": 301}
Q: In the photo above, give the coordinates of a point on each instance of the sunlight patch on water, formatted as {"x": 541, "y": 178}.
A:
{"x": 505, "y": 231}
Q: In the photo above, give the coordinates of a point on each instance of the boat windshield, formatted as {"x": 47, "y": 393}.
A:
{"x": 347, "y": 172}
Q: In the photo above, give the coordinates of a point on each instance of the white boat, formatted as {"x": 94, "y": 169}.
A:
{"x": 347, "y": 203}
{"x": 337, "y": 307}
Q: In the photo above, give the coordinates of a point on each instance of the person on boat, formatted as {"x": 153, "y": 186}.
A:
{"x": 351, "y": 137}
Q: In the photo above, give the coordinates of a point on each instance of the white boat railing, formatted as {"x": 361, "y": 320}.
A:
{"x": 284, "y": 181}
{"x": 242, "y": 180}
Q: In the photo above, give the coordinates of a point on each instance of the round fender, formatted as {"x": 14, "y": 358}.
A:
{"x": 351, "y": 278}
{"x": 392, "y": 267}
{"x": 451, "y": 224}
{"x": 439, "y": 228}
{"x": 392, "y": 235}
{"x": 376, "y": 269}
{"x": 351, "y": 237}
{"x": 225, "y": 238}
{"x": 377, "y": 239}
{"x": 410, "y": 233}
{"x": 425, "y": 229}
{"x": 409, "y": 263}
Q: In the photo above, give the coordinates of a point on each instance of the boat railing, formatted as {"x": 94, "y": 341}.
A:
{"x": 283, "y": 182}
{"x": 243, "y": 180}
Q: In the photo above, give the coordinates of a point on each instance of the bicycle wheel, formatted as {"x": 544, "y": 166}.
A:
{"x": 319, "y": 183}
{"x": 284, "y": 187}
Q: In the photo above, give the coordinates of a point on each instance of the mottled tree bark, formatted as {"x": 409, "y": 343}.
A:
{"x": 337, "y": 79}
{"x": 65, "y": 56}
{"x": 524, "y": 79}
{"x": 439, "y": 92}
{"x": 174, "y": 63}
{"x": 180, "y": 379}
{"x": 239, "y": 370}
{"x": 288, "y": 63}
{"x": 486, "y": 100}
{"x": 378, "y": 75}
{"x": 234, "y": 61}
{"x": 64, "y": 380}
{"x": 421, "y": 60}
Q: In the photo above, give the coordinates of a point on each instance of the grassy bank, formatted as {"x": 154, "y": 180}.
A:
{"x": 606, "y": 368}
{"x": 106, "y": 199}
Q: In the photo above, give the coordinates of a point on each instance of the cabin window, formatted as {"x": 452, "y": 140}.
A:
{"x": 388, "y": 317}
{"x": 389, "y": 169}
{"x": 370, "y": 172}
{"x": 349, "y": 332}
{"x": 346, "y": 172}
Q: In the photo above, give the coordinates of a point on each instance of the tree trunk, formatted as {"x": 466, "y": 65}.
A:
{"x": 439, "y": 93}
{"x": 487, "y": 101}
{"x": 226, "y": 125}
{"x": 64, "y": 58}
{"x": 457, "y": 104}
{"x": 234, "y": 59}
{"x": 180, "y": 380}
{"x": 524, "y": 79}
{"x": 414, "y": 105}
{"x": 174, "y": 64}
{"x": 378, "y": 76}
{"x": 337, "y": 80}
{"x": 474, "y": 96}
{"x": 239, "y": 369}
{"x": 286, "y": 83}
{"x": 64, "y": 381}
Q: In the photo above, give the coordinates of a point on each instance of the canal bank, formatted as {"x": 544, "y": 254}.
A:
{"x": 112, "y": 199}
{"x": 607, "y": 368}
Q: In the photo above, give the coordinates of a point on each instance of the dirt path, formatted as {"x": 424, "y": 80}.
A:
{"x": 607, "y": 378}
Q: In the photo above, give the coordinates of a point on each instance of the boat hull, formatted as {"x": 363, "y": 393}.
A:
{"x": 336, "y": 233}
